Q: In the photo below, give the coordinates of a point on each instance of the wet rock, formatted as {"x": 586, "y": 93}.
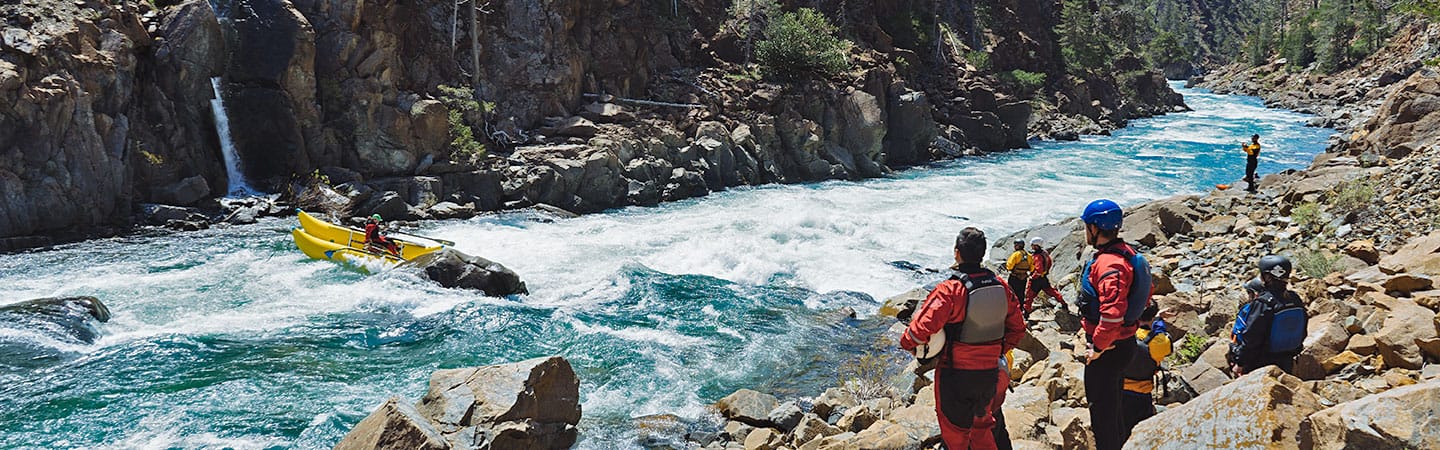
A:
{"x": 903, "y": 305}
{"x": 450, "y": 210}
{"x": 454, "y": 269}
{"x": 748, "y": 407}
{"x": 786, "y": 417}
{"x": 185, "y": 192}
{"x": 393, "y": 425}
{"x": 1261, "y": 409}
{"x": 1400, "y": 418}
{"x": 75, "y": 317}
{"x": 528, "y": 404}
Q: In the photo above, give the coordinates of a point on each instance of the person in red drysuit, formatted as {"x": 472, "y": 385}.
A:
{"x": 1112, "y": 340}
{"x": 1040, "y": 264}
{"x": 374, "y": 238}
{"x": 982, "y": 320}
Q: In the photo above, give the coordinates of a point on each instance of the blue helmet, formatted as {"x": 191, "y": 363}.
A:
{"x": 1103, "y": 214}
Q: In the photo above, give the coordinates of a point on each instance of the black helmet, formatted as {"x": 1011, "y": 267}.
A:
{"x": 1255, "y": 286}
{"x": 1276, "y": 266}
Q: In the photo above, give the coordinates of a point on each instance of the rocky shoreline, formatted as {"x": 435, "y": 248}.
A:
{"x": 1363, "y": 227}
{"x": 316, "y": 94}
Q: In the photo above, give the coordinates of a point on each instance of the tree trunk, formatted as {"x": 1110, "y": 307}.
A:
{"x": 475, "y": 47}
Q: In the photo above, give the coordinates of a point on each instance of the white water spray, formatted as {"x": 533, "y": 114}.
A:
{"x": 237, "y": 183}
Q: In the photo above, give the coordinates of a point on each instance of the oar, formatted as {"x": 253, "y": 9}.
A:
{"x": 441, "y": 241}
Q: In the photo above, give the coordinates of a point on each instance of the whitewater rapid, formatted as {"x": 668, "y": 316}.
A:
{"x": 230, "y": 337}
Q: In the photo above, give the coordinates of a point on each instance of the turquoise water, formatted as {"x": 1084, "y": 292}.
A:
{"x": 230, "y": 338}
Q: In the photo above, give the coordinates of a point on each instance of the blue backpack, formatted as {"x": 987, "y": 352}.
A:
{"x": 1140, "y": 287}
{"x": 1288, "y": 323}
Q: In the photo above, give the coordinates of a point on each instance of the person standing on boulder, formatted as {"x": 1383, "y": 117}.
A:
{"x": 1018, "y": 264}
{"x": 1252, "y": 161}
{"x": 1115, "y": 288}
{"x": 1040, "y": 264}
{"x": 981, "y": 320}
{"x": 1153, "y": 342}
{"x": 1271, "y": 328}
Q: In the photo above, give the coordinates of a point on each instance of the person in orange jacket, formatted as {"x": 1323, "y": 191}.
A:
{"x": 1115, "y": 289}
{"x": 981, "y": 319}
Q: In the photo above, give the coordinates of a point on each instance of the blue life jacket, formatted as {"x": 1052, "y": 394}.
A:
{"x": 1140, "y": 287}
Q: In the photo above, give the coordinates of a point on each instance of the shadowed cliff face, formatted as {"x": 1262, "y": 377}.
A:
{"x": 110, "y": 103}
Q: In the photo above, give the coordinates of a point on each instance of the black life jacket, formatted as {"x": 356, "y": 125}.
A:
{"x": 1143, "y": 367}
{"x": 987, "y": 304}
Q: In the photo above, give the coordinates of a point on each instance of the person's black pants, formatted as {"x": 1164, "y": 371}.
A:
{"x": 1017, "y": 284}
{"x": 1250, "y": 165}
{"x": 1135, "y": 407}
{"x": 1104, "y": 381}
{"x": 1002, "y": 436}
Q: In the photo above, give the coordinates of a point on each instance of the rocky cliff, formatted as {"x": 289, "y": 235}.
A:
{"x": 581, "y": 105}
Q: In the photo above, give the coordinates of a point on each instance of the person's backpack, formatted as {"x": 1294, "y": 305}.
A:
{"x": 1140, "y": 286}
{"x": 1287, "y": 326}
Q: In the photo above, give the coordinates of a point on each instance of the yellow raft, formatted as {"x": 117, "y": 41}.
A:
{"x": 323, "y": 240}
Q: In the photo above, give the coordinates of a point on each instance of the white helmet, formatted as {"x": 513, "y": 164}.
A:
{"x": 1037, "y": 240}
{"x": 931, "y": 349}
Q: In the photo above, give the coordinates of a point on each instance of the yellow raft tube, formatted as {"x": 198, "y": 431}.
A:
{"x": 323, "y": 240}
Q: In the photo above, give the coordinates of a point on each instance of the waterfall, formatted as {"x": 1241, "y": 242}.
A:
{"x": 237, "y": 183}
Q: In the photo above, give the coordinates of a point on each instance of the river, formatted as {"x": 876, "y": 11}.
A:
{"x": 231, "y": 338}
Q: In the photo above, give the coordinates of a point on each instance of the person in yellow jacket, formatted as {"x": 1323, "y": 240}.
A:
{"x": 1252, "y": 161}
{"x": 1136, "y": 401}
{"x": 1018, "y": 264}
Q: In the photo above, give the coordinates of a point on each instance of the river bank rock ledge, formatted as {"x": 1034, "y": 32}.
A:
{"x": 531, "y": 404}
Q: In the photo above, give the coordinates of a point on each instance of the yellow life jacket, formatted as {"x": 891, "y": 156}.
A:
{"x": 1252, "y": 149}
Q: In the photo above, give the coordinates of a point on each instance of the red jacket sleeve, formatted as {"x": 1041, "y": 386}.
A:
{"x": 1040, "y": 265}
{"x": 945, "y": 303}
{"x": 1112, "y": 278}
{"x": 1014, "y": 321}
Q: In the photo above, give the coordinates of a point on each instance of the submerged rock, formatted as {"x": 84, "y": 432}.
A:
{"x": 76, "y": 317}
{"x": 453, "y": 268}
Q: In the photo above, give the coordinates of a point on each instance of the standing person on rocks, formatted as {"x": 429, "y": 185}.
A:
{"x": 1115, "y": 288}
{"x": 1153, "y": 341}
{"x": 1018, "y": 264}
{"x": 1040, "y": 264}
{"x": 981, "y": 320}
{"x": 1271, "y": 329}
{"x": 1252, "y": 161}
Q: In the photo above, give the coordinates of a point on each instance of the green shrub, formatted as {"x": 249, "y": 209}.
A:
{"x": 1315, "y": 263}
{"x": 461, "y": 102}
{"x": 1190, "y": 348}
{"x": 1023, "y": 81}
{"x": 979, "y": 59}
{"x": 1306, "y": 215}
{"x": 1353, "y": 196}
{"x": 1083, "y": 43}
{"x": 801, "y": 44}
{"x": 868, "y": 375}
